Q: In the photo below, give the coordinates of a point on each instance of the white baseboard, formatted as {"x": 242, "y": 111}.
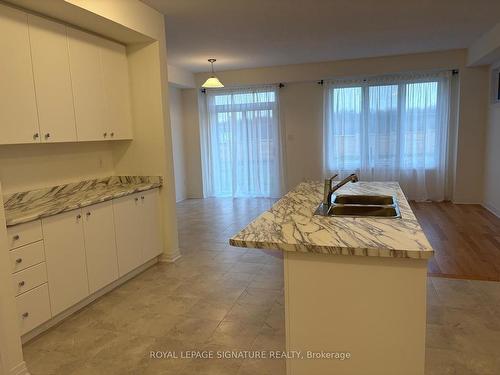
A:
{"x": 60, "y": 317}
{"x": 170, "y": 258}
{"x": 492, "y": 209}
{"x": 19, "y": 369}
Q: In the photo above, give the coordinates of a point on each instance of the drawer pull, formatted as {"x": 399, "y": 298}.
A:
{"x": 136, "y": 199}
{"x": 89, "y": 213}
{"x": 16, "y": 237}
{"x": 78, "y": 216}
{"x": 25, "y": 315}
{"x": 142, "y": 197}
{"x": 19, "y": 260}
{"x": 21, "y": 284}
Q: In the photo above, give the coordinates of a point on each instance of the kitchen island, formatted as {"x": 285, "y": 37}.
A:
{"x": 352, "y": 284}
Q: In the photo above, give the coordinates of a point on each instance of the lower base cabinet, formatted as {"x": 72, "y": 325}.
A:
{"x": 65, "y": 258}
{"x": 128, "y": 233}
{"x": 138, "y": 230}
{"x": 33, "y": 308}
{"x": 152, "y": 245}
{"x": 100, "y": 245}
{"x": 71, "y": 255}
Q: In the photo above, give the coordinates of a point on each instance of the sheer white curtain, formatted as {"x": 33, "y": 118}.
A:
{"x": 241, "y": 142}
{"x": 391, "y": 128}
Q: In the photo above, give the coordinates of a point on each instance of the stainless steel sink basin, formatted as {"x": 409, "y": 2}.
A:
{"x": 363, "y": 211}
{"x": 378, "y": 200}
{"x": 383, "y": 206}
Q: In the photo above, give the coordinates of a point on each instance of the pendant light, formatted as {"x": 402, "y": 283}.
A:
{"x": 212, "y": 82}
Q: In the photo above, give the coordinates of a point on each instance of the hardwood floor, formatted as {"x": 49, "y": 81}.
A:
{"x": 466, "y": 238}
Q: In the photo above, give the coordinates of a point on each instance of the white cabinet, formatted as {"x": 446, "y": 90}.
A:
{"x": 117, "y": 90}
{"x": 60, "y": 84}
{"x": 33, "y": 308}
{"x": 138, "y": 231}
{"x": 65, "y": 259}
{"x": 100, "y": 245}
{"x": 18, "y": 112}
{"x": 150, "y": 224}
{"x": 88, "y": 88}
{"x": 49, "y": 53}
{"x": 71, "y": 255}
{"x": 128, "y": 233}
{"x": 99, "y": 71}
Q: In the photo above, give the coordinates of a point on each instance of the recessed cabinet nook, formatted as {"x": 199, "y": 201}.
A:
{"x": 60, "y": 84}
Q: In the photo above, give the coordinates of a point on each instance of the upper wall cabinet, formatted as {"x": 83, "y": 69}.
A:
{"x": 116, "y": 87}
{"x": 60, "y": 84}
{"x": 18, "y": 112}
{"x": 49, "y": 53}
{"x": 88, "y": 86}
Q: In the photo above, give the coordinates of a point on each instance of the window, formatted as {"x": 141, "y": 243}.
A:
{"x": 389, "y": 128}
{"x": 241, "y": 143}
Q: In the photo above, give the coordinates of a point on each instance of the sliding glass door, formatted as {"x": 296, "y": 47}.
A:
{"x": 241, "y": 143}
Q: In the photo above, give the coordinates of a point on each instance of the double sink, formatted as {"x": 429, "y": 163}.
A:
{"x": 361, "y": 206}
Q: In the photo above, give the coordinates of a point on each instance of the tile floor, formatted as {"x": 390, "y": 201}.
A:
{"x": 221, "y": 298}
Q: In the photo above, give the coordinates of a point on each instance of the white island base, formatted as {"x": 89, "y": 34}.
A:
{"x": 371, "y": 307}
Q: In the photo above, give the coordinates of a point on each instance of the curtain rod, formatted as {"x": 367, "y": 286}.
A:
{"x": 322, "y": 81}
{"x": 280, "y": 85}
{"x": 453, "y": 71}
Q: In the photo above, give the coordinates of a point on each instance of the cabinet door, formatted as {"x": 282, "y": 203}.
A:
{"x": 152, "y": 244}
{"x": 117, "y": 89}
{"x": 18, "y": 113}
{"x": 100, "y": 245}
{"x": 88, "y": 90}
{"x": 54, "y": 96}
{"x": 128, "y": 233}
{"x": 65, "y": 259}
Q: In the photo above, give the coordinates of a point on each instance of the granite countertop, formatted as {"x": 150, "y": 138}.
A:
{"x": 290, "y": 225}
{"x": 35, "y": 204}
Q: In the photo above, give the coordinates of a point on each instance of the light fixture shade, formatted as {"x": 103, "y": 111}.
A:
{"x": 212, "y": 83}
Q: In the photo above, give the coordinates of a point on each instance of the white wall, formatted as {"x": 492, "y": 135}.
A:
{"x": 301, "y": 112}
{"x": 176, "y": 122}
{"x": 26, "y": 167}
{"x": 190, "y": 115}
{"x": 492, "y": 159}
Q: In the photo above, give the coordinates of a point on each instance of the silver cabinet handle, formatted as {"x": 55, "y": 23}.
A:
{"x": 21, "y": 283}
{"x": 19, "y": 260}
{"x": 16, "y": 237}
{"x": 26, "y": 314}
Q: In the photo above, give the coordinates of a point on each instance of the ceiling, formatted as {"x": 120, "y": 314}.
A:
{"x": 257, "y": 33}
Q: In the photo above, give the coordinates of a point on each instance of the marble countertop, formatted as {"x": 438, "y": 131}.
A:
{"x": 35, "y": 204}
{"x": 290, "y": 225}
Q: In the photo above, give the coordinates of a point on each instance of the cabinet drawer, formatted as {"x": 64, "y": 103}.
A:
{"x": 29, "y": 278}
{"x": 27, "y": 256}
{"x": 33, "y": 308}
{"x": 23, "y": 234}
